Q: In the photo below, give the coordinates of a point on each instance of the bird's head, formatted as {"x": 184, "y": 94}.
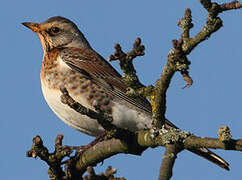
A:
{"x": 58, "y": 32}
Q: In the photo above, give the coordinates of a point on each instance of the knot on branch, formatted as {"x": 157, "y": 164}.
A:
{"x": 178, "y": 57}
{"x": 143, "y": 91}
{"x": 224, "y": 134}
{"x": 179, "y": 61}
{"x": 173, "y": 136}
{"x": 213, "y": 24}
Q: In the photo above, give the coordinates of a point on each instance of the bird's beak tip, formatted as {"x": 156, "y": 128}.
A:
{"x": 33, "y": 26}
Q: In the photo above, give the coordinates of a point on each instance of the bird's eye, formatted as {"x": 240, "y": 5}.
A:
{"x": 54, "y": 30}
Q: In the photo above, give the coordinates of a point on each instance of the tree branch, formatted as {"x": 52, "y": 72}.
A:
{"x": 54, "y": 160}
{"x": 126, "y": 63}
{"x": 168, "y": 161}
{"x": 105, "y": 149}
{"x": 135, "y": 87}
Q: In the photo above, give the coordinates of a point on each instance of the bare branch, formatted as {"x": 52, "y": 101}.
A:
{"x": 54, "y": 160}
{"x": 229, "y": 6}
{"x": 126, "y": 63}
{"x": 168, "y": 161}
{"x": 186, "y": 24}
{"x": 135, "y": 87}
{"x": 213, "y": 143}
{"x": 77, "y": 166}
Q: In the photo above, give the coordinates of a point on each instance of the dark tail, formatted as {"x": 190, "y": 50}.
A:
{"x": 206, "y": 153}
{"x": 211, "y": 156}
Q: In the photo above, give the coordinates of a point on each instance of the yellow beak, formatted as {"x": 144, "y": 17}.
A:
{"x": 33, "y": 26}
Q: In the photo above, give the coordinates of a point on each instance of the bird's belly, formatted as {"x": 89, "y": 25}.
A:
{"x": 69, "y": 116}
{"x": 128, "y": 118}
{"x": 123, "y": 116}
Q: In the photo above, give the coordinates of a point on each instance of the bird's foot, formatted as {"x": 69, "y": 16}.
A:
{"x": 81, "y": 149}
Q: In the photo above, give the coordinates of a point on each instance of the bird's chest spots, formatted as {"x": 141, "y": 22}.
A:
{"x": 82, "y": 89}
{"x": 56, "y": 73}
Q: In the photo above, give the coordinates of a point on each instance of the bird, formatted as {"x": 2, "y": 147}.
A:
{"x": 69, "y": 61}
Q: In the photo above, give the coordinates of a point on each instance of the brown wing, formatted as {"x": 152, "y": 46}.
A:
{"x": 88, "y": 62}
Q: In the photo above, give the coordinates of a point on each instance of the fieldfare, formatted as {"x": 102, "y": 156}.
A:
{"x": 70, "y": 61}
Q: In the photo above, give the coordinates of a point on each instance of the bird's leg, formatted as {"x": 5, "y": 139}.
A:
{"x": 81, "y": 149}
{"x": 98, "y": 139}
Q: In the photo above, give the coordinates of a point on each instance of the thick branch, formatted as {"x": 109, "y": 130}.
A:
{"x": 168, "y": 161}
{"x": 141, "y": 141}
{"x": 176, "y": 61}
{"x": 213, "y": 143}
{"x": 96, "y": 154}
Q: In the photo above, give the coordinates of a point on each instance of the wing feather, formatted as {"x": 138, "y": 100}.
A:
{"x": 87, "y": 61}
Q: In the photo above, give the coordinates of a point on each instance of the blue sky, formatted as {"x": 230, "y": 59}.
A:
{"x": 214, "y": 100}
